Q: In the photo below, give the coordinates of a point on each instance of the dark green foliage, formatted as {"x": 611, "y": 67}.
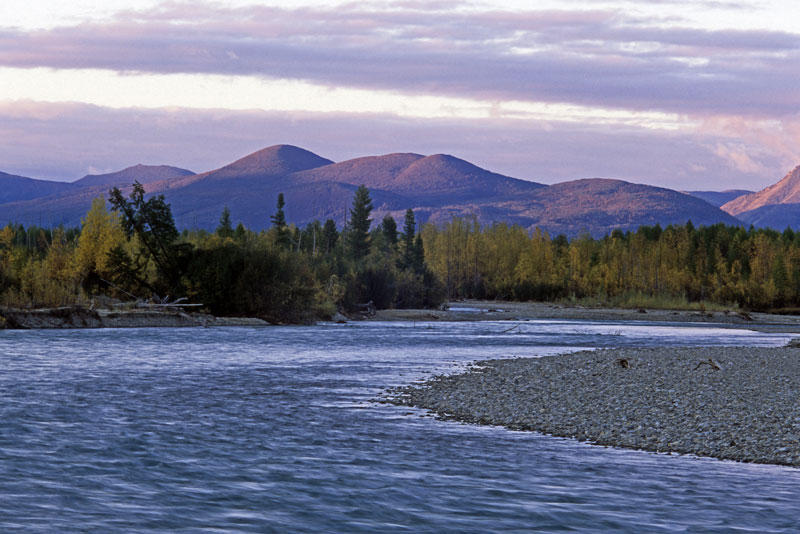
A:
{"x": 416, "y": 290}
{"x": 240, "y": 233}
{"x": 329, "y": 237}
{"x": 409, "y": 232}
{"x": 231, "y": 280}
{"x": 151, "y": 220}
{"x": 358, "y": 238}
{"x": 389, "y": 231}
{"x": 279, "y": 224}
{"x": 127, "y": 278}
{"x": 225, "y": 228}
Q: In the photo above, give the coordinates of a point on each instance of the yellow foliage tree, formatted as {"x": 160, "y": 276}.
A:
{"x": 101, "y": 233}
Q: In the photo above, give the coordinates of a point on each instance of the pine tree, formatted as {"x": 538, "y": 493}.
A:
{"x": 329, "y": 236}
{"x": 225, "y": 228}
{"x": 241, "y": 232}
{"x": 151, "y": 221}
{"x": 389, "y": 230}
{"x": 409, "y": 231}
{"x": 279, "y": 223}
{"x": 358, "y": 231}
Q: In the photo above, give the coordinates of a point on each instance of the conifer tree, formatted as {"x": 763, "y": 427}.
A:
{"x": 389, "y": 230}
{"x": 151, "y": 221}
{"x": 279, "y": 223}
{"x": 241, "y": 232}
{"x": 358, "y": 231}
{"x": 225, "y": 228}
{"x": 409, "y": 231}
{"x": 329, "y": 236}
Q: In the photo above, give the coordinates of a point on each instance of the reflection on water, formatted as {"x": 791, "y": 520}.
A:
{"x": 274, "y": 430}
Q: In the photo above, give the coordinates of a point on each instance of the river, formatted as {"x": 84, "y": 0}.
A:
{"x": 276, "y": 430}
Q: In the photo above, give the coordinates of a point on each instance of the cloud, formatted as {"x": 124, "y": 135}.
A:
{"x": 736, "y": 156}
{"x": 67, "y": 141}
{"x": 751, "y": 142}
{"x": 600, "y": 57}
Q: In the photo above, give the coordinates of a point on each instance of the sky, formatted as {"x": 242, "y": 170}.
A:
{"x": 701, "y": 95}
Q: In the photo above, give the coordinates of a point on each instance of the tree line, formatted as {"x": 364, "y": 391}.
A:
{"x": 757, "y": 269}
{"x": 293, "y": 274}
{"x": 284, "y": 274}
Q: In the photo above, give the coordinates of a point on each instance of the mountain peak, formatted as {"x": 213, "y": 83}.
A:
{"x": 786, "y": 191}
{"x": 276, "y": 160}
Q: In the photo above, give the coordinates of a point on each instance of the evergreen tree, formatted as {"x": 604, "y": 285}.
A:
{"x": 279, "y": 223}
{"x": 389, "y": 230}
{"x": 329, "y": 236}
{"x": 409, "y": 231}
{"x": 225, "y": 228}
{"x": 241, "y": 232}
{"x": 358, "y": 231}
{"x": 151, "y": 221}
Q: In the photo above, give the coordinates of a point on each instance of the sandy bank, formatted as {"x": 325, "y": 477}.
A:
{"x": 730, "y": 403}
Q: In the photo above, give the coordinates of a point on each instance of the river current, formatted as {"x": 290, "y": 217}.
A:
{"x": 276, "y": 430}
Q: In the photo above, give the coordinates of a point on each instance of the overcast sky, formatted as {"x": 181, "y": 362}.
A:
{"x": 700, "y": 95}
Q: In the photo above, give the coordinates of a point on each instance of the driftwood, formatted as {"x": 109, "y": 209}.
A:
{"x": 158, "y": 303}
{"x": 711, "y": 363}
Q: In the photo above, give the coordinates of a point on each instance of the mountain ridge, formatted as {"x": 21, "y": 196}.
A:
{"x": 14, "y": 188}
{"x": 144, "y": 174}
{"x": 437, "y": 187}
{"x": 785, "y": 191}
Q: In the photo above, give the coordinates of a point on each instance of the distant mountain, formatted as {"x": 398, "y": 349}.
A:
{"x": 436, "y": 187}
{"x": 144, "y": 174}
{"x": 433, "y": 179}
{"x": 598, "y": 206}
{"x": 718, "y": 198}
{"x": 776, "y": 206}
{"x": 14, "y": 188}
{"x": 317, "y": 188}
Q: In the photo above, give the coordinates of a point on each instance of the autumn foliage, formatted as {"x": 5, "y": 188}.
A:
{"x": 291, "y": 274}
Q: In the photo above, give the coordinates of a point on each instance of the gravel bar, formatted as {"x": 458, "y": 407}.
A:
{"x": 733, "y": 403}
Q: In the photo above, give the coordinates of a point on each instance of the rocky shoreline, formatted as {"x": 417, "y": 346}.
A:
{"x": 79, "y": 317}
{"x": 733, "y": 403}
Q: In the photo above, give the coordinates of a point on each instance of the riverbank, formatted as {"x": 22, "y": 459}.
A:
{"x": 78, "y": 317}
{"x": 732, "y": 403}
{"x": 482, "y": 310}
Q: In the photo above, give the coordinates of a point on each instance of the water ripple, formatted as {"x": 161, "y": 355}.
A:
{"x": 273, "y": 430}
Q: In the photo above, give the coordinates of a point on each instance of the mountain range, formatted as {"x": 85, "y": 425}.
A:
{"x": 436, "y": 187}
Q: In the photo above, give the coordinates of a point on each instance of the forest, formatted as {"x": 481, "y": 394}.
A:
{"x": 289, "y": 274}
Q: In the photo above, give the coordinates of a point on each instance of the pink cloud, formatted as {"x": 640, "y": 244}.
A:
{"x": 597, "y": 58}
{"x": 67, "y": 141}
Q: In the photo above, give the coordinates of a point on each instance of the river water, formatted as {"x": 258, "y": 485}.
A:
{"x": 275, "y": 430}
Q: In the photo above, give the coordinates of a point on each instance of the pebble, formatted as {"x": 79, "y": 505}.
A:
{"x": 733, "y": 403}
